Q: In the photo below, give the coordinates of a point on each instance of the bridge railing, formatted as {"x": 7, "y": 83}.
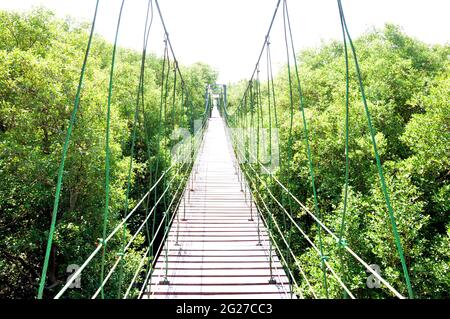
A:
{"x": 274, "y": 199}
{"x": 164, "y": 224}
{"x": 168, "y": 183}
{"x": 266, "y": 201}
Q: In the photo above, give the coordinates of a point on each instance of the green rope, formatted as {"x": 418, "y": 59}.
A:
{"x": 269, "y": 100}
{"x": 174, "y": 94}
{"x": 192, "y": 129}
{"x": 311, "y": 169}
{"x": 344, "y": 209}
{"x": 166, "y": 94}
{"x": 107, "y": 149}
{"x": 173, "y": 111}
{"x": 243, "y": 120}
{"x": 182, "y": 107}
{"x": 63, "y": 158}
{"x": 271, "y": 83}
{"x": 158, "y": 137}
{"x": 252, "y": 114}
{"x": 273, "y": 88}
{"x": 289, "y": 159}
{"x": 147, "y": 28}
{"x": 377, "y": 157}
{"x": 258, "y": 115}
{"x": 291, "y": 118}
{"x": 166, "y": 212}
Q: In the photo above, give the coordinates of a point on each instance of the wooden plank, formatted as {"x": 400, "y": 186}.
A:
{"x": 225, "y": 281}
{"x": 215, "y": 252}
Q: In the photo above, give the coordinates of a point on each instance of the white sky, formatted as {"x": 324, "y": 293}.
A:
{"x": 228, "y": 34}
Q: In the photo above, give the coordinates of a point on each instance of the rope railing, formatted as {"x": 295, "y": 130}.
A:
{"x": 164, "y": 242}
{"x": 116, "y": 229}
{"x": 182, "y": 182}
{"x": 136, "y": 274}
{"x": 241, "y": 155}
{"x": 359, "y": 259}
{"x": 302, "y": 232}
{"x": 319, "y": 222}
{"x": 285, "y": 242}
{"x": 159, "y": 178}
{"x": 102, "y": 242}
{"x": 150, "y": 272}
{"x": 250, "y": 106}
{"x": 287, "y": 268}
{"x": 133, "y": 237}
{"x": 265, "y": 224}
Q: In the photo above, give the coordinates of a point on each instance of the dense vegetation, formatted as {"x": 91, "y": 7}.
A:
{"x": 40, "y": 61}
{"x": 407, "y": 85}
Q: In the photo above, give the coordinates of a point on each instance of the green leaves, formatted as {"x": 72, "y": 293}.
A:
{"x": 406, "y": 83}
{"x": 40, "y": 60}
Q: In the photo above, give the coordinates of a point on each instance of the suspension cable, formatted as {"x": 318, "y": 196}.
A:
{"x": 63, "y": 158}
{"x": 107, "y": 149}
{"x": 377, "y": 158}
{"x": 320, "y": 223}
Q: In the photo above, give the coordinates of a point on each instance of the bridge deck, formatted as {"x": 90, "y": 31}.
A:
{"x": 217, "y": 255}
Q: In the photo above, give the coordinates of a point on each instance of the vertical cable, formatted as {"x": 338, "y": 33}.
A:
{"x": 323, "y": 258}
{"x": 107, "y": 150}
{"x": 63, "y": 158}
{"x": 377, "y": 158}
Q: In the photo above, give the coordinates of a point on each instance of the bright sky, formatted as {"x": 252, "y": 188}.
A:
{"x": 228, "y": 34}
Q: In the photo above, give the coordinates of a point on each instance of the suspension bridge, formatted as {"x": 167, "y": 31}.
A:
{"x": 218, "y": 245}
{"x": 208, "y": 216}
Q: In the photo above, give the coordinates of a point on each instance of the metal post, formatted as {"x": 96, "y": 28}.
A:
{"x": 251, "y": 211}
{"x": 165, "y": 281}
{"x": 271, "y": 279}
{"x": 259, "y": 231}
{"x": 241, "y": 180}
{"x": 178, "y": 228}
{"x": 184, "y": 207}
{"x": 245, "y": 193}
{"x": 189, "y": 192}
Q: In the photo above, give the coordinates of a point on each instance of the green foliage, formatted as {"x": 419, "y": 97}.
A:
{"x": 40, "y": 61}
{"x": 406, "y": 82}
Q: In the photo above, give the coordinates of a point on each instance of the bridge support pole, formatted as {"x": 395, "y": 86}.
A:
{"x": 240, "y": 180}
{"x": 184, "y": 207}
{"x": 165, "y": 281}
{"x": 271, "y": 279}
{"x": 259, "y": 230}
{"x": 178, "y": 229}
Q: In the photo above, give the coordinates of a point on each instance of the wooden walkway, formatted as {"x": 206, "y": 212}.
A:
{"x": 218, "y": 254}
